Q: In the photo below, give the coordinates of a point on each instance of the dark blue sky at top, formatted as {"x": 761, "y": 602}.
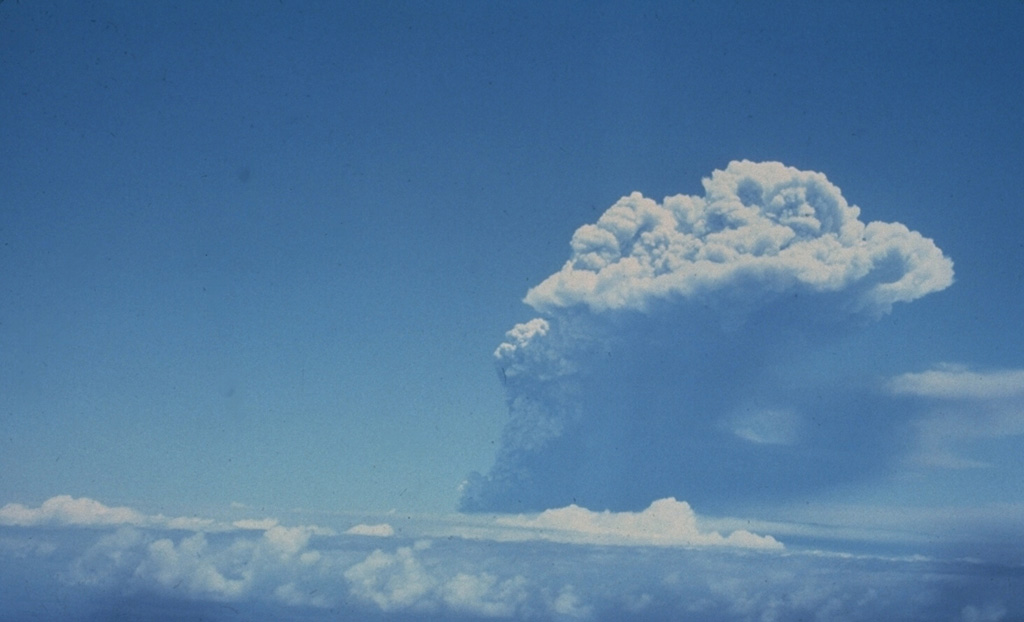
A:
{"x": 263, "y": 252}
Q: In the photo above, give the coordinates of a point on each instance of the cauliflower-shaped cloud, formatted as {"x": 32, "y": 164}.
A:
{"x": 667, "y": 522}
{"x": 761, "y": 227}
{"x": 402, "y": 581}
{"x": 67, "y": 510}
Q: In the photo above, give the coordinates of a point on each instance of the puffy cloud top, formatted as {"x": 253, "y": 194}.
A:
{"x": 659, "y": 292}
{"x": 66, "y": 510}
{"x": 667, "y": 522}
{"x": 759, "y": 223}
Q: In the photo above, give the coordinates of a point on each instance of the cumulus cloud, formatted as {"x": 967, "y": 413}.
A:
{"x": 759, "y": 225}
{"x": 666, "y": 522}
{"x": 190, "y": 565}
{"x": 391, "y": 581}
{"x": 959, "y": 405}
{"x": 402, "y": 581}
{"x": 567, "y": 604}
{"x": 215, "y": 566}
{"x": 555, "y": 565}
{"x": 66, "y": 510}
{"x": 673, "y": 355}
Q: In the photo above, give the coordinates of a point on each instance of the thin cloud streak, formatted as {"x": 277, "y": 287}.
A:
{"x": 380, "y": 530}
{"x": 960, "y": 382}
{"x": 955, "y": 406}
{"x": 68, "y": 511}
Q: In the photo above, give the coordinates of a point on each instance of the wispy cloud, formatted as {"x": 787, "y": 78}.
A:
{"x": 380, "y": 530}
{"x": 66, "y": 510}
{"x": 959, "y": 405}
{"x": 953, "y": 382}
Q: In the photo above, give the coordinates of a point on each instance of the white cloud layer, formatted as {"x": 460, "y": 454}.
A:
{"x": 66, "y": 510}
{"x": 666, "y": 522}
{"x": 555, "y": 565}
{"x": 84, "y": 512}
{"x": 762, "y": 225}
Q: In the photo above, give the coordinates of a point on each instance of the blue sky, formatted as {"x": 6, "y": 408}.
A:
{"x": 309, "y": 261}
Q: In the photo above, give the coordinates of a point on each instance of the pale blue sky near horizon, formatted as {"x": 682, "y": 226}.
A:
{"x": 262, "y": 252}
